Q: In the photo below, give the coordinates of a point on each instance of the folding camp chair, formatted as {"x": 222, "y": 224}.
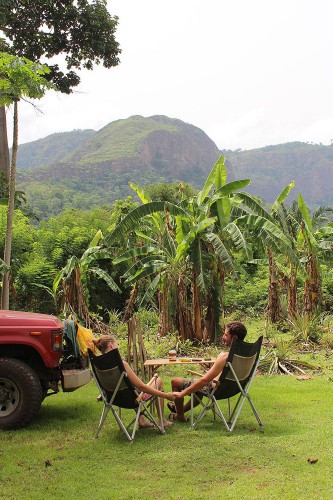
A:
{"x": 235, "y": 379}
{"x": 117, "y": 392}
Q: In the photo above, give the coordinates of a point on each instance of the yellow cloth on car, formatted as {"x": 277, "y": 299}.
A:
{"x": 84, "y": 338}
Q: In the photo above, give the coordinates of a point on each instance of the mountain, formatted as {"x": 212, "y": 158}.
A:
{"x": 85, "y": 168}
{"x": 137, "y": 149}
{"x": 273, "y": 167}
{"x": 53, "y": 148}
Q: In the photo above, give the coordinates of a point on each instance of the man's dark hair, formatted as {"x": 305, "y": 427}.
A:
{"x": 237, "y": 328}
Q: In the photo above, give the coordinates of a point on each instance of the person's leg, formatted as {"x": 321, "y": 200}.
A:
{"x": 196, "y": 401}
{"x": 158, "y": 384}
{"x": 177, "y": 385}
{"x": 143, "y": 423}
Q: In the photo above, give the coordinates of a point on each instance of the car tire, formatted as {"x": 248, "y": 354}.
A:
{"x": 21, "y": 393}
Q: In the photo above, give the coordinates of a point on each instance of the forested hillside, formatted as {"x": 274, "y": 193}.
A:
{"x": 141, "y": 150}
{"x": 53, "y": 148}
{"x": 84, "y": 168}
{"x": 272, "y": 167}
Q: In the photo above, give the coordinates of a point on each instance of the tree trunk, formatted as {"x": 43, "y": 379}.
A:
{"x": 10, "y": 214}
{"x": 4, "y": 151}
{"x": 130, "y": 304}
{"x": 184, "y": 318}
{"x": 196, "y": 297}
{"x": 163, "y": 307}
{"x": 312, "y": 287}
{"x": 274, "y": 309}
{"x": 210, "y": 322}
{"x": 292, "y": 302}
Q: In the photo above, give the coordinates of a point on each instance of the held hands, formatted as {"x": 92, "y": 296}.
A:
{"x": 170, "y": 396}
{"x": 178, "y": 395}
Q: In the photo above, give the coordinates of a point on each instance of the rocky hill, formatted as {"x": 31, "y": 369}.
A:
{"x": 271, "y": 168}
{"x": 141, "y": 150}
{"x": 85, "y": 168}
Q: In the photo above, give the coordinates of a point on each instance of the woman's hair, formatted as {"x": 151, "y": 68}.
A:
{"x": 102, "y": 342}
{"x": 237, "y": 328}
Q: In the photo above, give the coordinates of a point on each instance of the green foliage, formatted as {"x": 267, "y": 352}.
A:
{"x": 3, "y": 189}
{"x": 33, "y": 286}
{"x": 3, "y": 268}
{"x": 48, "y": 199}
{"x": 173, "y": 192}
{"x": 22, "y": 240}
{"x": 248, "y": 294}
{"x": 305, "y": 327}
{"x": 84, "y": 31}
{"x": 21, "y": 77}
{"x": 54, "y": 147}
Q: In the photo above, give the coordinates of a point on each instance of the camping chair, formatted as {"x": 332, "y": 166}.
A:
{"x": 235, "y": 379}
{"x": 118, "y": 392}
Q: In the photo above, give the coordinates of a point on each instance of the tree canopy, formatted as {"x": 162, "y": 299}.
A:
{"x": 83, "y": 30}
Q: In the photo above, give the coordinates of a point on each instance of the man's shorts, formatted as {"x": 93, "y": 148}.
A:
{"x": 186, "y": 382}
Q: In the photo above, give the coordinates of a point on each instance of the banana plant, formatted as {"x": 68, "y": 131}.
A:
{"x": 74, "y": 276}
{"x": 184, "y": 251}
{"x": 277, "y": 239}
{"x": 315, "y": 240}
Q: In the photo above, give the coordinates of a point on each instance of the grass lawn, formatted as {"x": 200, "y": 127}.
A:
{"x": 205, "y": 463}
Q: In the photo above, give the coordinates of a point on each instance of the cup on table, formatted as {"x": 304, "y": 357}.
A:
{"x": 172, "y": 355}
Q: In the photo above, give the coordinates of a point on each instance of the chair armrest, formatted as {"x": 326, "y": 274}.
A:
{"x": 138, "y": 399}
{"x": 201, "y": 375}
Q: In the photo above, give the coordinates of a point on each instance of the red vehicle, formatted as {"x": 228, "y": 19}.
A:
{"x": 35, "y": 357}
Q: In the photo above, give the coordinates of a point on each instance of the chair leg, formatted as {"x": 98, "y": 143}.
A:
{"x": 105, "y": 411}
{"x": 160, "y": 416}
{"x": 136, "y": 422}
{"x": 217, "y": 411}
{"x": 256, "y": 414}
{"x": 206, "y": 406}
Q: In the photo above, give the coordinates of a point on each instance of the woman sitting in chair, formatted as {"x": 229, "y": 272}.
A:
{"x": 107, "y": 343}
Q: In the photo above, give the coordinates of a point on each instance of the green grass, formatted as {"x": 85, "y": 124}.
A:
{"x": 205, "y": 463}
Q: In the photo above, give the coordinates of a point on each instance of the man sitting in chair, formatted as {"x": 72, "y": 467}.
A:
{"x": 106, "y": 343}
{"x": 182, "y": 387}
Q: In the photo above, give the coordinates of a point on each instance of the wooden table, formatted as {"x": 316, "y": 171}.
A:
{"x": 153, "y": 364}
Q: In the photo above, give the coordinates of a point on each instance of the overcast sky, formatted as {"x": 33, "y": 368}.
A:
{"x": 248, "y": 73}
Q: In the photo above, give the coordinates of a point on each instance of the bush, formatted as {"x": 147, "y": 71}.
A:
{"x": 246, "y": 294}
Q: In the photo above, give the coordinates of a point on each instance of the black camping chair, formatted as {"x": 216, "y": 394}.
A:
{"x": 235, "y": 379}
{"x": 117, "y": 392}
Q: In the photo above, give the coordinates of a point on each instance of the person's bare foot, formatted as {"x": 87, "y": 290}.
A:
{"x": 173, "y": 417}
{"x": 144, "y": 424}
{"x": 166, "y": 423}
